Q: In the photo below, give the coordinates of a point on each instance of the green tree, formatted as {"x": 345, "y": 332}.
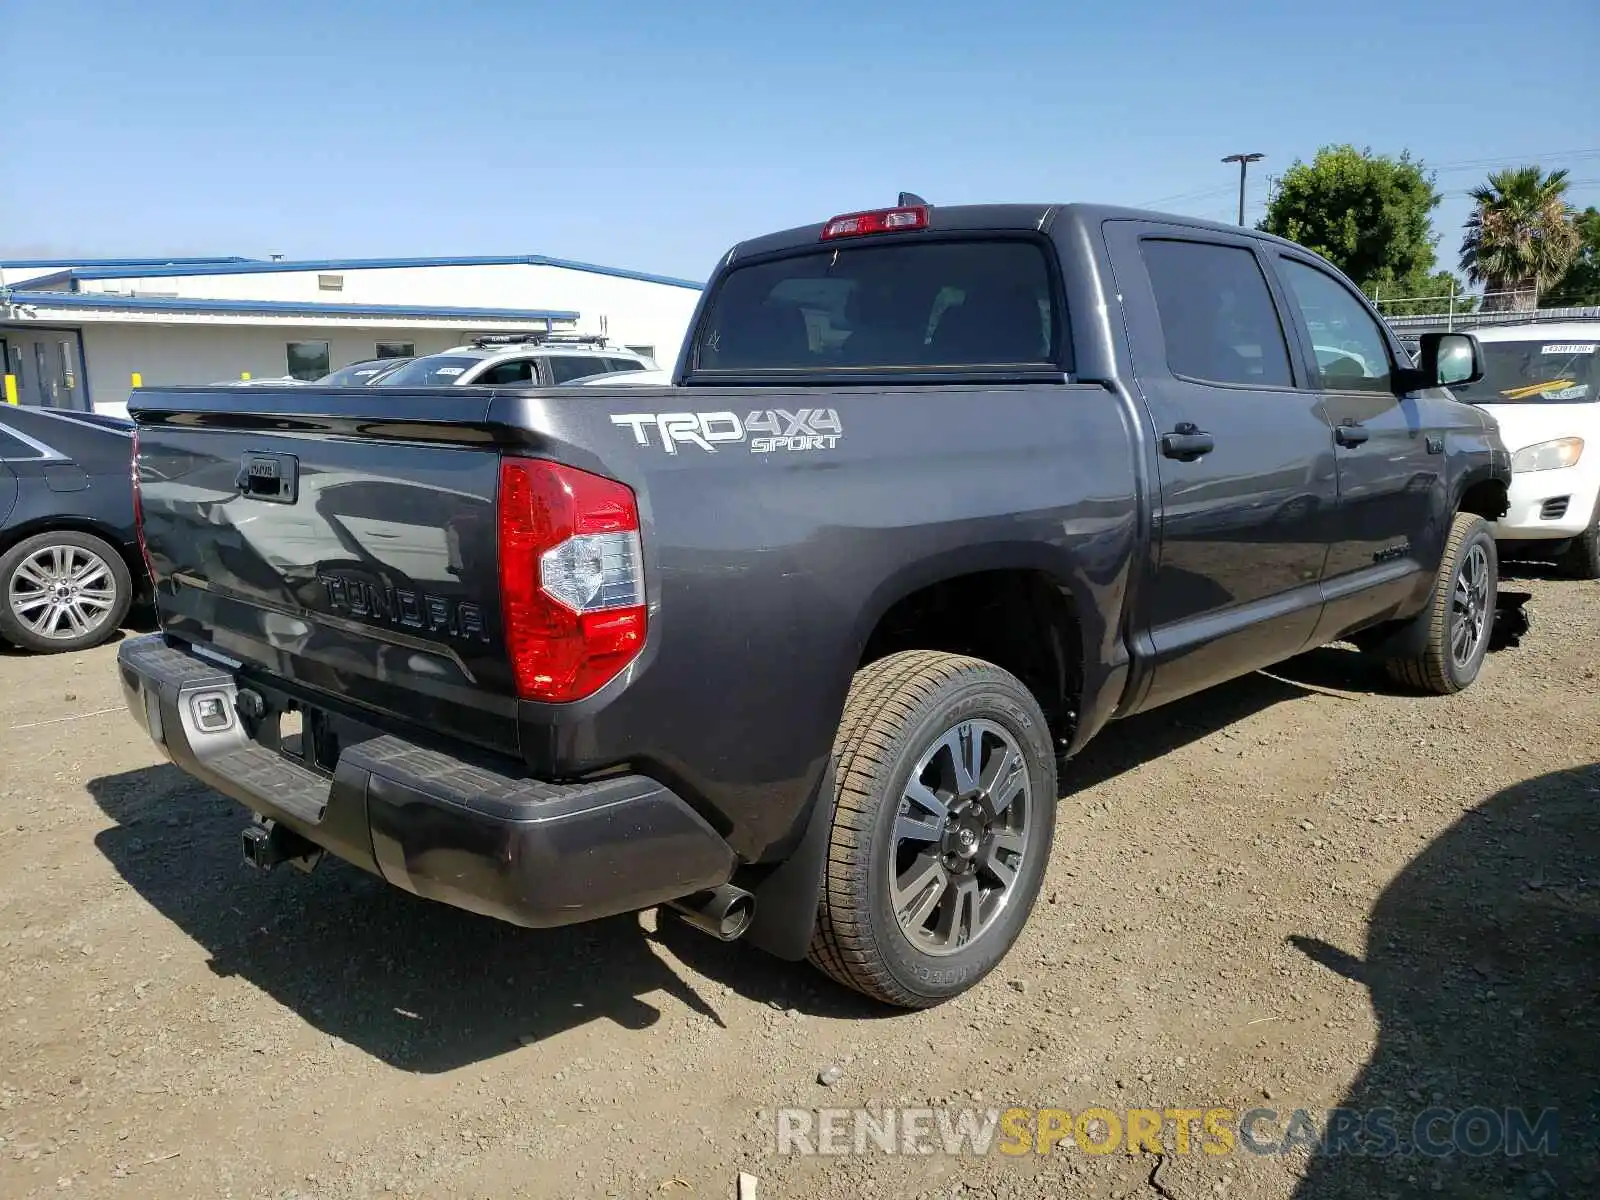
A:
{"x": 1581, "y": 283}
{"x": 1366, "y": 213}
{"x": 1521, "y": 237}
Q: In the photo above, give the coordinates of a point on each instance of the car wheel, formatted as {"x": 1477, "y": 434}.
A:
{"x": 1581, "y": 559}
{"x": 62, "y": 591}
{"x": 944, "y": 812}
{"x": 1454, "y": 629}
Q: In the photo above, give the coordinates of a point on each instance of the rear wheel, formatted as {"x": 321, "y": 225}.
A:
{"x": 62, "y": 591}
{"x": 944, "y": 815}
{"x": 1452, "y": 632}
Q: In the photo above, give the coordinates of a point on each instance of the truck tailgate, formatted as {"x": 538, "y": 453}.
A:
{"x": 343, "y": 543}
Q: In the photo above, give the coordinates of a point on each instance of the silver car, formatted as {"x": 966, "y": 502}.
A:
{"x": 547, "y": 360}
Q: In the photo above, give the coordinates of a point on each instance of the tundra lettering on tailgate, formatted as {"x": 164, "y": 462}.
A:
{"x": 405, "y": 608}
{"x": 765, "y": 431}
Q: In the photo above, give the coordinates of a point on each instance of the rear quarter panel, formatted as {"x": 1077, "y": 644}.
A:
{"x": 766, "y": 572}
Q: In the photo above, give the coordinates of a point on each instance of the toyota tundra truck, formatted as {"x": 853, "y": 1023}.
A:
{"x": 794, "y": 646}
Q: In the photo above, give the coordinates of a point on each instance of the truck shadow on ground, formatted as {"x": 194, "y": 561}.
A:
{"x": 417, "y": 984}
{"x": 1483, "y": 965}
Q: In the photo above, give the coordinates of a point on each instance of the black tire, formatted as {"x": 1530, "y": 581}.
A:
{"x": 1438, "y": 665}
{"x": 901, "y": 708}
{"x": 1581, "y": 558}
{"x": 101, "y": 608}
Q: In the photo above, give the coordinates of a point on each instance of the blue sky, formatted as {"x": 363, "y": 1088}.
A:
{"x": 652, "y": 135}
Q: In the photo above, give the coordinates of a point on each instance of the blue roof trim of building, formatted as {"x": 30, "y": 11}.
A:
{"x": 256, "y": 266}
{"x": 97, "y": 263}
{"x": 172, "y": 304}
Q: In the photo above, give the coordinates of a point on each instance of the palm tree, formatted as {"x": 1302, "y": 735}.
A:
{"x": 1521, "y": 237}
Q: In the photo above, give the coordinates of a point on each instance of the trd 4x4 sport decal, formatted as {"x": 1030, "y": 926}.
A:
{"x": 764, "y": 431}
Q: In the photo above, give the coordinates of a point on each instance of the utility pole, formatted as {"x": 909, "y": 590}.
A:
{"x": 1244, "y": 161}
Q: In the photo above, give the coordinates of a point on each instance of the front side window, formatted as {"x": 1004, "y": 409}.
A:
{"x": 1352, "y": 353}
{"x": 1542, "y": 371}
{"x": 1217, "y": 317}
{"x": 920, "y": 304}
{"x": 308, "y": 360}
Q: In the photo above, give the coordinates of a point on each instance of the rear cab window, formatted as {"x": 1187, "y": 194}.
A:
{"x": 913, "y": 306}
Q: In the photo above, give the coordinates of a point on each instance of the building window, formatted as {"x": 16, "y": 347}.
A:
{"x": 396, "y": 350}
{"x": 331, "y": 283}
{"x": 308, "y": 360}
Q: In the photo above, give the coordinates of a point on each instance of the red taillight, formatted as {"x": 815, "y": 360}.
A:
{"x": 571, "y": 578}
{"x": 138, "y": 507}
{"x": 882, "y": 220}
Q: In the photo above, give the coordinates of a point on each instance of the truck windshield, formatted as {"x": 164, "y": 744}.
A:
{"x": 434, "y": 370}
{"x": 1536, "y": 372}
{"x": 916, "y": 304}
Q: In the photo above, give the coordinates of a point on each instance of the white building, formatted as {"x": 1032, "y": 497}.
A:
{"x": 74, "y": 335}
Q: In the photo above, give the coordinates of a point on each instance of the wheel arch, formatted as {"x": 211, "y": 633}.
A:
{"x": 127, "y": 551}
{"x": 902, "y": 613}
{"x": 1482, "y": 493}
{"x": 1000, "y": 603}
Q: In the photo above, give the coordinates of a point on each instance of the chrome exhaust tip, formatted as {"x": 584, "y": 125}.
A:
{"x": 724, "y": 912}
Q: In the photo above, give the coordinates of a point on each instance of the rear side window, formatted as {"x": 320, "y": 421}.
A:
{"x": 924, "y": 304}
{"x": 518, "y": 370}
{"x": 1217, "y": 316}
{"x": 567, "y": 367}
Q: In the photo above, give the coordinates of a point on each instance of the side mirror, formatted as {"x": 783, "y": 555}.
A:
{"x": 1446, "y": 359}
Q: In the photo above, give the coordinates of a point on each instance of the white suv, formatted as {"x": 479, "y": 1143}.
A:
{"x": 1541, "y": 383}
{"x": 540, "y": 359}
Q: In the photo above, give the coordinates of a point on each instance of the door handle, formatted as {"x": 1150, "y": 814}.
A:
{"x": 1349, "y": 434}
{"x": 1186, "y": 442}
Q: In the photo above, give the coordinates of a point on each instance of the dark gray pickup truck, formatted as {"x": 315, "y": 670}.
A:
{"x": 795, "y": 646}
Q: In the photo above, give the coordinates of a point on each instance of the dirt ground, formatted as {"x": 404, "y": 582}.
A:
{"x": 1302, "y": 890}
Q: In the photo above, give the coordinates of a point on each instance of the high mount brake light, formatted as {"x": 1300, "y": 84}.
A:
{"x": 881, "y": 220}
{"x": 571, "y": 578}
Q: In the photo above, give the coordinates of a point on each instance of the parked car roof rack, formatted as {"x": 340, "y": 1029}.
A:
{"x": 517, "y": 339}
